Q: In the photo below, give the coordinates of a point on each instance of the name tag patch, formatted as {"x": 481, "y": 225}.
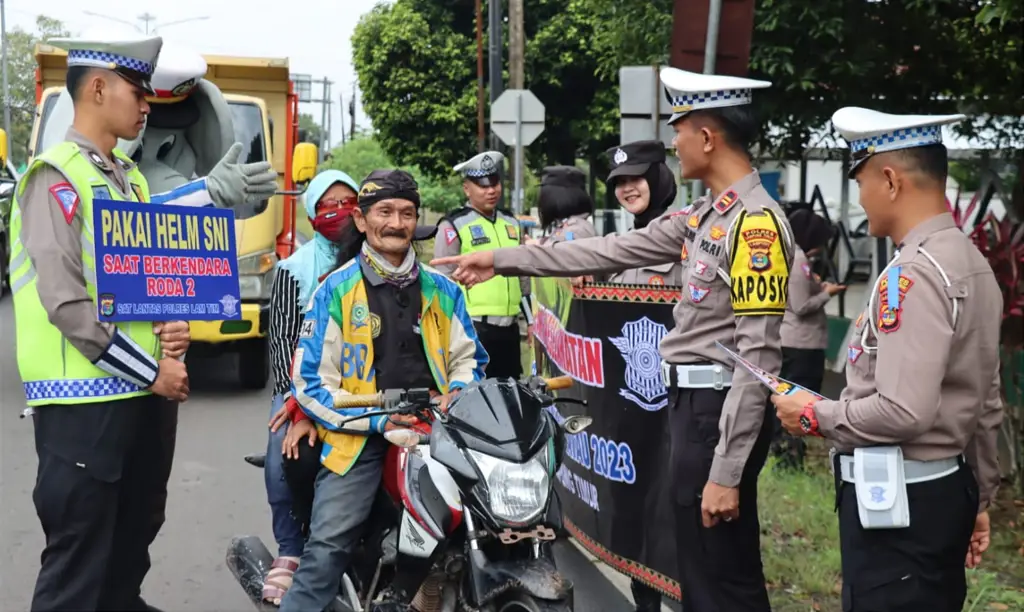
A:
{"x": 478, "y": 235}
{"x": 711, "y": 248}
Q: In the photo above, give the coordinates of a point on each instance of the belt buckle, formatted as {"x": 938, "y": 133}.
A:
{"x": 832, "y": 452}
{"x": 666, "y": 377}
{"x": 718, "y": 380}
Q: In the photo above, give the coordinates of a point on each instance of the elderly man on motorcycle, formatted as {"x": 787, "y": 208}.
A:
{"x": 381, "y": 320}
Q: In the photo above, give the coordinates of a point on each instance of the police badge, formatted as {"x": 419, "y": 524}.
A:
{"x": 107, "y": 304}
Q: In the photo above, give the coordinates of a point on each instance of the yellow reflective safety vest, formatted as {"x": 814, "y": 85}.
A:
{"x": 499, "y": 296}
{"x": 71, "y": 378}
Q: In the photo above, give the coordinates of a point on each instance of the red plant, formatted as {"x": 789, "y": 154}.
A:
{"x": 1002, "y": 244}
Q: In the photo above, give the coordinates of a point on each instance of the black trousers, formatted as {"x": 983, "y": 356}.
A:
{"x": 919, "y": 568}
{"x": 805, "y": 367}
{"x": 720, "y": 567}
{"x": 646, "y": 598}
{"x": 100, "y": 494}
{"x": 503, "y": 349}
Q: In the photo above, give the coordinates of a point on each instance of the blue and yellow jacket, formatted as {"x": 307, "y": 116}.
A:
{"x": 334, "y": 355}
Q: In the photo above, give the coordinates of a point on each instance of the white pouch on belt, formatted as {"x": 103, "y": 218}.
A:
{"x": 881, "y": 487}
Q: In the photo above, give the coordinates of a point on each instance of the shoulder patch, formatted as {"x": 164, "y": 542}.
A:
{"x": 726, "y": 201}
{"x": 891, "y": 291}
{"x": 67, "y": 198}
{"x": 138, "y": 192}
{"x": 758, "y": 267}
{"x": 450, "y": 235}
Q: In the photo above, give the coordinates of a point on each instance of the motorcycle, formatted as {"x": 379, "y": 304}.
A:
{"x": 467, "y": 513}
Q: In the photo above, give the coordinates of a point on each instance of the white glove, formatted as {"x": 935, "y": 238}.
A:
{"x": 232, "y": 184}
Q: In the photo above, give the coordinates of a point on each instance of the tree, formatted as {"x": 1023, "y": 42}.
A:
{"x": 416, "y": 61}
{"x": 310, "y": 130}
{"x": 21, "y": 67}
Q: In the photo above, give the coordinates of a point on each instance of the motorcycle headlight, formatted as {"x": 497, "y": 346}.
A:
{"x": 255, "y": 275}
{"x": 518, "y": 492}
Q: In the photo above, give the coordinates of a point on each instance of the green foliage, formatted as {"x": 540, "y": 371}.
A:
{"x": 361, "y": 156}
{"x": 21, "y": 67}
{"x": 416, "y": 61}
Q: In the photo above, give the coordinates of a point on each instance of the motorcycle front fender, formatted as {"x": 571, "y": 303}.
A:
{"x": 536, "y": 577}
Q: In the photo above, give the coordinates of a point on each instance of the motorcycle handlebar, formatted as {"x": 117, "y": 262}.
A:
{"x": 560, "y": 382}
{"x": 375, "y": 400}
{"x": 358, "y": 401}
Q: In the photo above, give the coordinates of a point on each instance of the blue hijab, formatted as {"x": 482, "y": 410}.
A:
{"x": 318, "y": 256}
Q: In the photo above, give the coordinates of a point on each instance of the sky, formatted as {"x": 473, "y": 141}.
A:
{"x": 316, "y": 39}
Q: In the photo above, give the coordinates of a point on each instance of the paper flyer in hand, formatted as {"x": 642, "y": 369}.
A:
{"x": 778, "y": 385}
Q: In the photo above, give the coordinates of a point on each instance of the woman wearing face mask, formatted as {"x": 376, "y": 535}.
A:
{"x": 644, "y": 186}
{"x": 805, "y": 324}
{"x": 329, "y": 201}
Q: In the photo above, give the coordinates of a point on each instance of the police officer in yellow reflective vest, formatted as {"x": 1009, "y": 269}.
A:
{"x": 104, "y": 396}
{"x": 482, "y": 226}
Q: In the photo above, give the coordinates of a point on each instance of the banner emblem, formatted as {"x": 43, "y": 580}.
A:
{"x": 639, "y": 347}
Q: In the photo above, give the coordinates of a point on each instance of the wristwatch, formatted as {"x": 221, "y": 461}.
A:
{"x": 808, "y": 420}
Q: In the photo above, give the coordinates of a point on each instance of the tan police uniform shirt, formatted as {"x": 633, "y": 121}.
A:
{"x": 576, "y": 227}
{"x": 55, "y": 248}
{"x": 736, "y": 254}
{"x": 913, "y": 378}
{"x": 805, "y": 325}
{"x": 447, "y": 243}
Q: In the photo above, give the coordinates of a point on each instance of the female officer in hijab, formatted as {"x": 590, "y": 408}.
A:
{"x": 329, "y": 201}
{"x": 644, "y": 186}
{"x": 564, "y": 205}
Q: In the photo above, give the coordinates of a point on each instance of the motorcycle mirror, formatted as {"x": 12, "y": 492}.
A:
{"x": 405, "y": 438}
{"x": 576, "y": 424}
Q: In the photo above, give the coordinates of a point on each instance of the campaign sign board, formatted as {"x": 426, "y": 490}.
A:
{"x": 165, "y": 263}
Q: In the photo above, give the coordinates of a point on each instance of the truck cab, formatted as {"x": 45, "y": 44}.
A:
{"x": 256, "y": 90}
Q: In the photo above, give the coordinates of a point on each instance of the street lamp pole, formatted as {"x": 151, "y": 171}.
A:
{"x": 146, "y": 18}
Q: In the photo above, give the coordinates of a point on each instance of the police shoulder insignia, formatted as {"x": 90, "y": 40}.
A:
{"x": 684, "y": 254}
{"x": 717, "y": 233}
{"x": 726, "y": 201}
{"x": 890, "y": 305}
{"x": 138, "y": 192}
{"x": 807, "y": 269}
{"x": 67, "y": 198}
{"x": 853, "y": 353}
{"x": 693, "y": 221}
{"x": 450, "y": 235}
{"x": 697, "y": 294}
{"x": 758, "y": 267}
{"x": 512, "y": 233}
{"x": 308, "y": 327}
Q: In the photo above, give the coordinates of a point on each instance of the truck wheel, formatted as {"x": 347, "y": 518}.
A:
{"x": 254, "y": 363}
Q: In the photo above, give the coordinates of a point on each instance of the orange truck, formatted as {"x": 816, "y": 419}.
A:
{"x": 265, "y": 112}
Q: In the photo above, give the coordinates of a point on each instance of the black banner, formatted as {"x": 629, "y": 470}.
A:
{"x": 614, "y": 481}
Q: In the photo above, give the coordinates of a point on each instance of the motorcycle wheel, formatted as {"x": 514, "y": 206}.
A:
{"x": 524, "y": 603}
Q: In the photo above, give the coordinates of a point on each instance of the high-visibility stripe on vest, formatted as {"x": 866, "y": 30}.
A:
{"x": 71, "y": 378}
{"x": 499, "y": 296}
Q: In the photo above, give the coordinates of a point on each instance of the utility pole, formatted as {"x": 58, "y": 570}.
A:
{"x": 515, "y": 72}
{"x": 324, "y": 104}
{"x": 710, "y": 54}
{"x": 341, "y": 113}
{"x": 495, "y": 57}
{"x": 479, "y": 77}
{"x": 352, "y": 112}
{"x": 6, "y": 86}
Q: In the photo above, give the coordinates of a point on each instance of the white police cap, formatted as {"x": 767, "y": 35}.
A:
{"x": 690, "y": 91}
{"x": 868, "y": 132}
{"x": 177, "y": 74}
{"x": 132, "y": 57}
{"x": 483, "y": 169}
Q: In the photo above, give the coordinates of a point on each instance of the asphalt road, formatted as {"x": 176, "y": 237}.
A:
{"x": 214, "y": 495}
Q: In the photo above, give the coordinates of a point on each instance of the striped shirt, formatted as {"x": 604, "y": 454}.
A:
{"x": 285, "y": 320}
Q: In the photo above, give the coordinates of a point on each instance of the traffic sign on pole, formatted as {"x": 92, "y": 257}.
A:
{"x": 506, "y": 113}
{"x": 517, "y": 117}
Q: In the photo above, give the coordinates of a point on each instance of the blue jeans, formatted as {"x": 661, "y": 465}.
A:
{"x": 287, "y": 530}
{"x": 341, "y": 505}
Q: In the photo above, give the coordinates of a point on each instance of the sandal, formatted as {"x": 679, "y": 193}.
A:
{"x": 279, "y": 579}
